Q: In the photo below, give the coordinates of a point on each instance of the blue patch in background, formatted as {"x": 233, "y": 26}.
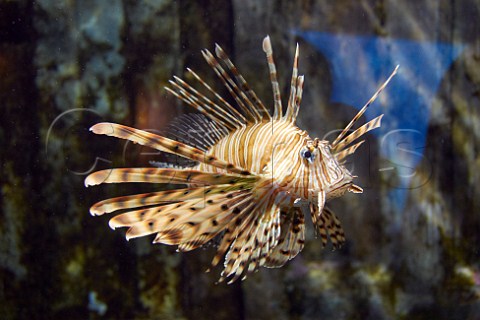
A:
{"x": 359, "y": 64}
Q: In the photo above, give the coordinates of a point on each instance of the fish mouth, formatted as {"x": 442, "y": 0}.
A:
{"x": 340, "y": 189}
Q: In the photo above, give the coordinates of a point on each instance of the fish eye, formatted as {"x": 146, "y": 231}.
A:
{"x": 305, "y": 153}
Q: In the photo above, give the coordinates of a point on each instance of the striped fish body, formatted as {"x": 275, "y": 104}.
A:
{"x": 257, "y": 174}
{"x": 272, "y": 150}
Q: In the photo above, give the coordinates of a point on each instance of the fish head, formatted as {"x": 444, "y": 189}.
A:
{"x": 326, "y": 174}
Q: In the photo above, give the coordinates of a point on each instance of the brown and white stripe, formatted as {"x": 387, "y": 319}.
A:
{"x": 256, "y": 175}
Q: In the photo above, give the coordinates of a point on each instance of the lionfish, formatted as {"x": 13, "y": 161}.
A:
{"x": 254, "y": 177}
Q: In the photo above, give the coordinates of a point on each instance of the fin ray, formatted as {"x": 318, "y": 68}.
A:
{"x": 154, "y": 198}
{"x": 277, "y": 100}
{"x": 163, "y": 144}
{"x": 165, "y": 175}
{"x": 230, "y": 109}
{"x": 364, "y": 108}
{"x": 350, "y": 150}
{"x": 289, "y": 115}
{"x": 194, "y": 99}
{"x": 197, "y": 130}
{"x": 255, "y": 104}
{"x": 291, "y": 240}
{"x": 230, "y": 85}
{"x": 372, "y": 124}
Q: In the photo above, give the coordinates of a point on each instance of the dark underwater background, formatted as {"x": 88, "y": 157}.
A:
{"x": 413, "y": 237}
